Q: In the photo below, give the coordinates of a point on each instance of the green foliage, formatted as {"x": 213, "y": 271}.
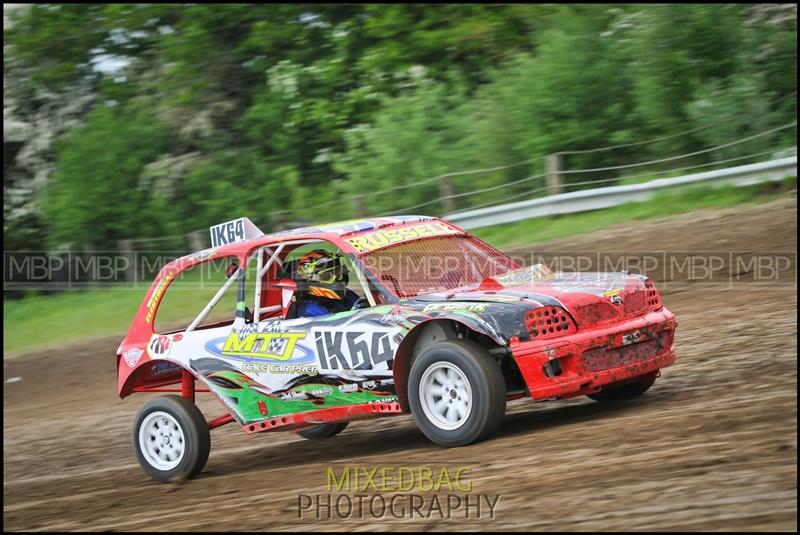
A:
{"x": 293, "y": 109}
{"x": 94, "y": 197}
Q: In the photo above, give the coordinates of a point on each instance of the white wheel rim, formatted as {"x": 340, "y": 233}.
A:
{"x": 445, "y": 395}
{"x": 161, "y": 440}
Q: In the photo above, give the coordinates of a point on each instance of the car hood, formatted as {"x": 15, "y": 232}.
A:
{"x": 537, "y": 284}
{"x": 589, "y": 298}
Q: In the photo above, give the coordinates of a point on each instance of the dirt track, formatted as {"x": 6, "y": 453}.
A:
{"x": 712, "y": 446}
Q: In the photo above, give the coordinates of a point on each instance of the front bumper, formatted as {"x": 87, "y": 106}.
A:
{"x": 593, "y": 358}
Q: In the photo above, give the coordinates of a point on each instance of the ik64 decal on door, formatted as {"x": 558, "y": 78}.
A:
{"x": 354, "y": 349}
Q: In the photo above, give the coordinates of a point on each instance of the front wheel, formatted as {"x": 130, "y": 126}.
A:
{"x": 457, "y": 393}
{"x": 322, "y": 430}
{"x": 625, "y": 390}
{"x": 171, "y": 438}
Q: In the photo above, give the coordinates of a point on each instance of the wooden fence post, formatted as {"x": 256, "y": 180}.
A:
{"x": 279, "y": 220}
{"x": 358, "y": 206}
{"x": 446, "y": 192}
{"x": 126, "y": 250}
{"x": 553, "y": 170}
{"x": 196, "y": 240}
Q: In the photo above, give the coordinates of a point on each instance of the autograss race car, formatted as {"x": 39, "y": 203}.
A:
{"x": 441, "y": 325}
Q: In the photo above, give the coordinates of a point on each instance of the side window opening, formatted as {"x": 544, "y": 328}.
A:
{"x": 355, "y": 277}
{"x": 192, "y": 291}
{"x": 281, "y": 268}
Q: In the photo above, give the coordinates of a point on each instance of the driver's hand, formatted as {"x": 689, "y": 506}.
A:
{"x": 362, "y": 302}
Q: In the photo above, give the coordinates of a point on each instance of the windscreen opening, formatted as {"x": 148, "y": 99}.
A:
{"x": 436, "y": 264}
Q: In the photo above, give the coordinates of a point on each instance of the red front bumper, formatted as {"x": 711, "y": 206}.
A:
{"x": 596, "y": 357}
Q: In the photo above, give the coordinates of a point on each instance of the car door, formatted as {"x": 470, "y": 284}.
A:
{"x": 336, "y": 359}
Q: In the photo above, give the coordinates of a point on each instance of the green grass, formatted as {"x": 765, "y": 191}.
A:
{"x": 44, "y": 322}
{"x": 666, "y": 203}
{"x": 50, "y": 322}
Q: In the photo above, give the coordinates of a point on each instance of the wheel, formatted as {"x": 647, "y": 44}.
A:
{"x": 457, "y": 393}
{"x": 627, "y": 389}
{"x": 322, "y": 430}
{"x": 171, "y": 438}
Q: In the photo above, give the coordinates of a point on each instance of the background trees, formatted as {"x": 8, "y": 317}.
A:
{"x": 285, "y": 112}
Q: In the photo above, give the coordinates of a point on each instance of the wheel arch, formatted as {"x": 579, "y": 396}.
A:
{"x": 143, "y": 375}
{"x": 423, "y": 335}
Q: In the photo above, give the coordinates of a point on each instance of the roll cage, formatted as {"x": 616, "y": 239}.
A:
{"x": 269, "y": 259}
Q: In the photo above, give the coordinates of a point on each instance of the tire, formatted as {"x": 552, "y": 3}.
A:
{"x": 182, "y": 423}
{"x": 626, "y": 390}
{"x": 477, "y": 393}
{"x": 322, "y": 430}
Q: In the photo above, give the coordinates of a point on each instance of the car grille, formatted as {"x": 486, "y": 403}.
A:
{"x": 635, "y": 303}
{"x": 600, "y": 358}
{"x": 595, "y": 313}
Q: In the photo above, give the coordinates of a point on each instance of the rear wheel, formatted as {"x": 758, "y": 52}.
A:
{"x": 322, "y": 430}
{"x": 171, "y": 438}
{"x": 457, "y": 393}
{"x": 625, "y": 389}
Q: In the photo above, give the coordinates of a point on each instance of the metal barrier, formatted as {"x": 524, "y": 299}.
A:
{"x": 607, "y": 197}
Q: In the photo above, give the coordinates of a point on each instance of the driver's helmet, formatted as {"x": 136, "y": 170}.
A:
{"x": 322, "y": 274}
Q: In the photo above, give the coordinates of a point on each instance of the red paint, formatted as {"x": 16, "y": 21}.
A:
{"x": 187, "y": 386}
{"x": 321, "y": 416}
{"x": 596, "y": 357}
{"x": 219, "y": 421}
{"x": 137, "y": 389}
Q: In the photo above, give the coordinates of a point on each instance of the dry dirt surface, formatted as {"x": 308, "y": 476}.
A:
{"x": 712, "y": 446}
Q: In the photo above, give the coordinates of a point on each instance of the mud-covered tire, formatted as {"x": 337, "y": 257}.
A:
{"x": 441, "y": 378}
{"x": 171, "y": 438}
{"x": 625, "y": 390}
{"x": 322, "y": 430}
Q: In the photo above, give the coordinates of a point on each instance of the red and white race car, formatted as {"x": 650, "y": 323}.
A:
{"x": 442, "y": 325}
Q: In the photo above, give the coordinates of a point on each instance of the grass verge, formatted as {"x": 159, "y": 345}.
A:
{"x": 665, "y": 203}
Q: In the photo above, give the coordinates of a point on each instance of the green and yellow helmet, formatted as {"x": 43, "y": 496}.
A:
{"x": 325, "y": 274}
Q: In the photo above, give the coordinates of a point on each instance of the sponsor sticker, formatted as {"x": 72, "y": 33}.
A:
{"x": 392, "y": 318}
{"x": 132, "y": 356}
{"x": 204, "y": 254}
{"x": 160, "y": 345}
{"x": 613, "y": 296}
{"x": 294, "y": 396}
{"x": 529, "y": 275}
{"x": 158, "y": 293}
{"x": 633, "y": 338}
{"x": 266, "y": 345}
{"x": 372, "y": 241}
{"x": 164, "y": 367}
{"x": 451, "y": 307}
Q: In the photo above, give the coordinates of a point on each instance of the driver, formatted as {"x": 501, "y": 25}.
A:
{"x": 322, "y": 280}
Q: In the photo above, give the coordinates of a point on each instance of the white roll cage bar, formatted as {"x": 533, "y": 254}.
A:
{"x": 261, "y": 270}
